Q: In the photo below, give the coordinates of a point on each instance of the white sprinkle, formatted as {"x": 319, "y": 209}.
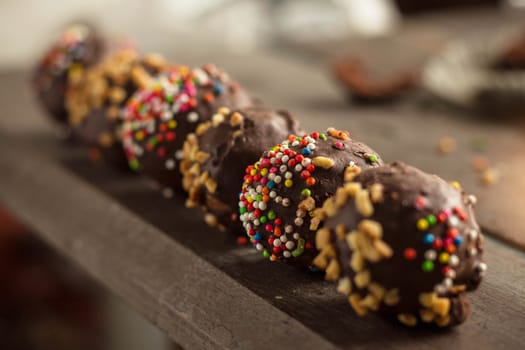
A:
{"x": 278, "y": 199}
{"x": 273, "y": 194}
{"x": 255, "y": 205}
{"x": 262, "y": 205}
{"x": 447, "y": 282}
{"x": 170, "y": 164}
{"x": 286, "y": 202}
{"x": 277, "y": 179}
{"x": 298, "y": 167}
{"x": 288, "y": 175}
{"x": 259, "y": 246}
{"x": 430, "y": 254}
{"x": 296, "y": 236}
{"x": 453, "y": 221}
{"x": 311, "y": 146}
{"x": 283, "y": 168}
{"x": 256, "y": 222}
{"x": 167, "y": 192}
{"x": 287, "y": 254}
{"x": 290, "y": 245}
{"x": 271, "y": 177}
{"x": 298, "y": 221}
{"x": 288, "y": 229}
{"x": 300, "y": 213}
{"x": 178, "y": 154}
{"x": 453, "y": 260}
{"x": 283, "y": 238}
{"x": 306, "y": 162}
{"x": 277, "y": 242}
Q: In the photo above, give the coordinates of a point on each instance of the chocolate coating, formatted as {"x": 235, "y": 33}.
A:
{"x": 157, "y": 119}
{"x": 95, "y": 103}
{"x": 402, "y": 242}
{"x": 78, "y": 48}
{"x": 215, "y": 157}
{"x": 289, "y": 184}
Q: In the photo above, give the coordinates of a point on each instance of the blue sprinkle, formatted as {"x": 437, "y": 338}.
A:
{"x": 306, "y": 151}
{"x": 219, "y": 89}
{"x": 428, "y": 238}
{"x": 458, "y": 240}
{"x": 270, "y": 184}
{"x": 257, "y": 236}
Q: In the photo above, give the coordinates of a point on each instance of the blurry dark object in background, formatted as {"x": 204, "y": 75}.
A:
{"x": 44, "y": 303}
{"x": 514, "y": 57}
{"x": 364, "y": 88}
{"x": 481, "y": 74}
{"x": 95, "y": 102}
{"x": 77, "y": 48}
{"x": 418, "y": 6}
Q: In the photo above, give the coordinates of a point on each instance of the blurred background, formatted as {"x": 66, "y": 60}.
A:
{"x": 372, "y": 52}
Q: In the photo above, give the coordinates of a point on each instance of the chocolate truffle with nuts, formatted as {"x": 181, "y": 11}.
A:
{"x": 78, "y": 48}
{"x": 403, "y": 243}
{"x": 289, "y": 184}
{"x": 158, "y": 118}
{"x": 94, "y": 105}
{"x": 216, "y": 155}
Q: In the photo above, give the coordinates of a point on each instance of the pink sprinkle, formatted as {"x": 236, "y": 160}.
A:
{"x": 339, "y": 145}
{"x": 273, "y": 170}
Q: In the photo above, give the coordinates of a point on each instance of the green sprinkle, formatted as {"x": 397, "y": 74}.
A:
{"x": 263, "y": 219}
{"x": 169, "y": 99}
{"x": 306, "y": 192}
{"x": 300, "y": 248}
{"x": 427, "y": 266}
{"x": 271, "y": 215}
{"x": 134, "y": 164}
{"x": 266, "y": 254}
{"x": 243, "y": 210}
{"x": 322, "y": 136}
{"x": 431, "y": 219}
{"x": 372, "y": 158}
{"x": 258, "y": 198}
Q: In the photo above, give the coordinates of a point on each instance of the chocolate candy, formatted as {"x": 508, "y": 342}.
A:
{"x": 216, "y": 155}
{"x": 94, "y": 105}
{"x": 78, "y": 48}
{"x": 158, "y": 118}
{"x": 403, "y": 243}
{"x": 290, "y": 182}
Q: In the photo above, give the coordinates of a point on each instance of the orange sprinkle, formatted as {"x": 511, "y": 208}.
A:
{"x": 277, "y": 231}
{"x": 266, "y": 198}
{"x": 311, "y": 181}
{"x": 208, "y": 97}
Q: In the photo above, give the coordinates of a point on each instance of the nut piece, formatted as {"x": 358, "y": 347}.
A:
{"x": 351, "y": 172}
{"x": 344, "y": 286}
{"x": 323, "y": 162}
{"x": 376, "y": 193}
{"x": 392, "y": 297}
{"x": 371, "y": 228}
{"x": 407, "y": 319}
{"x": 354, "y": 300}
{"x": 363, "y": 203}
{"x": 332, "y": 271}
{"x": 236, "y": 119}
{"x": 322, "y": 238}
{"x": 427, "y": 299}
{"x": 362, "y": 279}
{"x": 441, "y": 306}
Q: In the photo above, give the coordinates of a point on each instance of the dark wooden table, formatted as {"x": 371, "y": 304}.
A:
{"x": 204, "y": 290}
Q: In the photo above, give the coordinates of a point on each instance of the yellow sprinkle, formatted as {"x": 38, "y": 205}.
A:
{"x": 443, "y": 258}
{"x": 253, "y": 172}
{"x": 172, "y": 124}
{"x": 264, "y": 171}
{"x": 422, "y": 224}
{"x": 224, "y": 110}
{"x": 456, "y": 185}
{"x": 139, "y": 135}
{"x": 288, "y": 183}
{"x": 249, "y": 199}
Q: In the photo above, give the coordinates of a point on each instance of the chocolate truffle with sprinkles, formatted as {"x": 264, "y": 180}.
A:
{"x": 78, "y": 48}
{"x": 284, "y": 189}
{"x": 403, "y": 243}
{"x": 158, "y": 118}
{"x": 216, "y": 155}
{"x": 94, "y": 105}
